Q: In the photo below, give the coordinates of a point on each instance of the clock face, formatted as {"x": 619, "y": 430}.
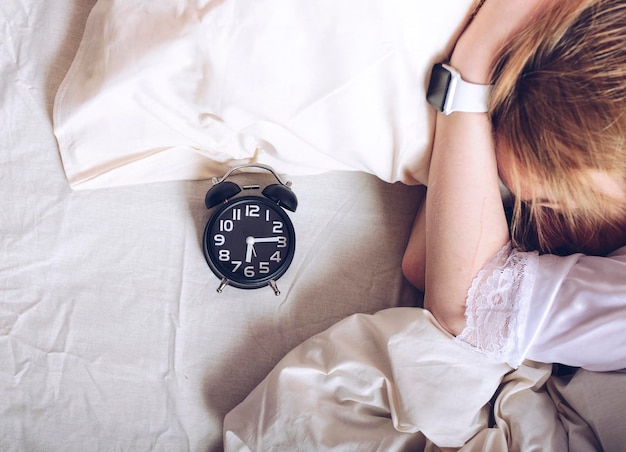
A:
{"x": 249, "y": 241}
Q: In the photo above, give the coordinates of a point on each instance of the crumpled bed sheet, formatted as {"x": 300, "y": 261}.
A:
{"x": 395, "y": 380}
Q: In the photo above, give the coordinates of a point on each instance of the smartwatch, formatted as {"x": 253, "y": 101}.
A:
{"x": 448, "y": 92}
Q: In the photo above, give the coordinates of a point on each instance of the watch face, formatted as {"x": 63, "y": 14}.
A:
{"x": 249, "y": 241}
{"x": 438, "y": 87}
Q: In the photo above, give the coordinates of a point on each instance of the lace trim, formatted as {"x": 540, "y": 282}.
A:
{"x": 497, "y": 305}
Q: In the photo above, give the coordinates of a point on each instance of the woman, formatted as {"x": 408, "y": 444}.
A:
{"x": 559, "y": 134}
{"x": 566, "y": 169}
{"x": 390, "y": 381}
{"x": 559, "y": 129}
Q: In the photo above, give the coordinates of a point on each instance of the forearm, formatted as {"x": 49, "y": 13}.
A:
{"x": 465, "y": 225}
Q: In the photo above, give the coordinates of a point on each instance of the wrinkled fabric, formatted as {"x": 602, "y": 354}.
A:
{"x": 591, "y": 407}
{"x": 497, "y": 306}
{"x": 395, "y": 380}
{"x": 570, "y": 310}
{"x": 184, "y": 90}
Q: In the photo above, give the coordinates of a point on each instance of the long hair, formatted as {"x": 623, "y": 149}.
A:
{"x": 558, "y": 110}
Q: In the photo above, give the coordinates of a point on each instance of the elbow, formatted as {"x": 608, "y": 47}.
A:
{"x": 413, "y": 269}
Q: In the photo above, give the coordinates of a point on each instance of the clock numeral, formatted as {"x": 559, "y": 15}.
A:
{"x": 236, "y": 214}
{"x": 278, "y": 227}
{"x": 224, "y": 255}
{"x": 236, "y": 265}
{"x": 219, "y": 240}
{"x": 264, "y": 267}
{"x": 276, "y": 257}
{"x": 249, "y": 271}
{"x": 252, "y": 210}
{"x": 282, "y": 242}
{"x": 226, "y": 225}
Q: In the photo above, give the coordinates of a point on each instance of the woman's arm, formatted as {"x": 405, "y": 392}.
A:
{"x": 465, "y": 222}
{"x": 465, "y": 225}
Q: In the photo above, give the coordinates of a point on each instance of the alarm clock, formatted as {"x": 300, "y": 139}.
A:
{"x": 249, "y": 240}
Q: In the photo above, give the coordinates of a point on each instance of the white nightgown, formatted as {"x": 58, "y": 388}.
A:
{"x": 178, "y": 89}
{"x": 397, "y": 381}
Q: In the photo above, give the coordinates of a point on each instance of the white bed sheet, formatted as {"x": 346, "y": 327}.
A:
{"x": 112, "y": 336}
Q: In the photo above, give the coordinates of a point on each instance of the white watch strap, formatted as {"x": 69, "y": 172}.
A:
{"x": 470, "y": 97}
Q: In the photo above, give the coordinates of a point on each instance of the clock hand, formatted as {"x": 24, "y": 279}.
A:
{"x": 250, "y": 248}
{"x": 266, "y": 239}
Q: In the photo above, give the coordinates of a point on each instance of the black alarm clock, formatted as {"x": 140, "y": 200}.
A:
{"x": 249, "y": 241}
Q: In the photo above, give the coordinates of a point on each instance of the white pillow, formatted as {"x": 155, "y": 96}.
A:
{"x": 172, "y": 89}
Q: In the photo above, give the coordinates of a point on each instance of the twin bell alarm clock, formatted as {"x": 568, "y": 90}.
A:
{"x": 249, "y": 240}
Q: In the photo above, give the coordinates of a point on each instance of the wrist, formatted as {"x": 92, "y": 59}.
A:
{"x": 473, "y": 59}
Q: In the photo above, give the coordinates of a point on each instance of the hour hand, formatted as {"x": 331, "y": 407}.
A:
{"x": 250, "y": 251}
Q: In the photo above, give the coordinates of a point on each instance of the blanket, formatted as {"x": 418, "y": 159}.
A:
{"x": 396, "y": 380}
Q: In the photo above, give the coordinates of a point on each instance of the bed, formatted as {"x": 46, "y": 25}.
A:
{"x": 112, "y": 333}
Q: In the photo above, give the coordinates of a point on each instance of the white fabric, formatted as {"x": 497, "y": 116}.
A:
{"x": 497, "y": 306}
{"x": 585, "y": 324}
{"x": 570, "y": 310}
{"x": 394, "y": 381}
{"x": 584, "y": 400}
{"x": 179, "y": 89}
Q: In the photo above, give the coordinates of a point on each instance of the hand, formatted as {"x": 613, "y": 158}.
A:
{"x": 494, "y": 25}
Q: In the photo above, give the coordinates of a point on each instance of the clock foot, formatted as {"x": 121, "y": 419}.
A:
{"x": 274, "y": 287}
{"x": 223, "y": 283}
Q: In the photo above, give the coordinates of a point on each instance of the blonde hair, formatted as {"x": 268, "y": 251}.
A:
{"x": 559, "y": 110}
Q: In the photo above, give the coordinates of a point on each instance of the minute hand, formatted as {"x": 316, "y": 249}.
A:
{"x": 266, "y": 239}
